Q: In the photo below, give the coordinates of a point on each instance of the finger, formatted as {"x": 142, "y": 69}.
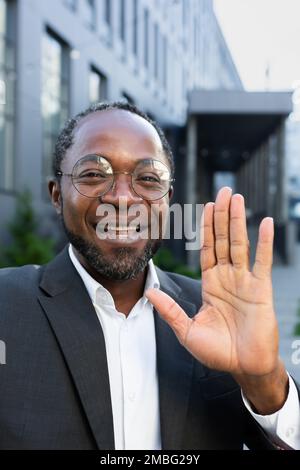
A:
{"x": 264, "y": 251}
{"x": 239, "y": 245}
{"x": 170, "y": 311}
{"x": 208, "y": 256}
{"x": 221, "y": 225}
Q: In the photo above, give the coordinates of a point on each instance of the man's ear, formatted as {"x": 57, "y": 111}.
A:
{"x": 55, "y": 195}
{"x": 171, "y": 192}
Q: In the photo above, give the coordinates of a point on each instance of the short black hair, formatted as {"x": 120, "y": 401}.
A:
{"x": 66, "y": 137}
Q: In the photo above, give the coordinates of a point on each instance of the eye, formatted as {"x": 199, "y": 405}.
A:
{"x": 93, "y": 174}
{"x": 148, "y": 178}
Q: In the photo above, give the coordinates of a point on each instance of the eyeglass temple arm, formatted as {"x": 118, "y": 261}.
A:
{"x": 60, "y": 173}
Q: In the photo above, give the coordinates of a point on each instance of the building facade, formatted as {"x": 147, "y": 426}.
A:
{"x": 58, "y": 56}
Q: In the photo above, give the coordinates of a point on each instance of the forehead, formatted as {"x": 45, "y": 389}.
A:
{"x": 120, "y": 135}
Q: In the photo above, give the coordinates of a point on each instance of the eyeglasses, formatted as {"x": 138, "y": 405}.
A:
{"x": 93, "y": 176}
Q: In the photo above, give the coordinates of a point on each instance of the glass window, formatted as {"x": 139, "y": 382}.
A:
{"x": 122, "y": 20}
{"x": 165, "y": 59}
{"x": 72, "y": 4}
{"x": 3, "y": 16}
{"x": 55, "y": 94}
{"x": 89, "y": 13}
{"x": 107, "y": 11}
{"x": 156, "y": 51}
{"x": 195, "y": 37}
{"x": 135, "y": 20}
{"x": 97, "y": 86}
{"x": 146, "y": 37}
{"x": 7, "y": 103}
{"x": 184, "y": 13}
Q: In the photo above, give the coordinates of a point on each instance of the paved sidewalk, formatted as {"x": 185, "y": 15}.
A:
{"x": 286, "y": 282}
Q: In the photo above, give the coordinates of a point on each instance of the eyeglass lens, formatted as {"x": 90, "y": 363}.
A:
{"x": 93, "y": 176}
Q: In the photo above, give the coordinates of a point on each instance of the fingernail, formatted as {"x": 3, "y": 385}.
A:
{"x": 227, "y": 188}
{"x": 239, "y": 195}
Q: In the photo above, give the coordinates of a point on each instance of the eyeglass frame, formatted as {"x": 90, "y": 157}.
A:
{"x": 61, "y": 173}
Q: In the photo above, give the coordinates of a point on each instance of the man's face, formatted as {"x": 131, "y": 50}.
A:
{"x": 124, "y": 139}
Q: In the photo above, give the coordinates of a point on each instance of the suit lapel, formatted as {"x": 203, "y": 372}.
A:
{"x": 79, "y": 334}
{"x": 175, "y": 371}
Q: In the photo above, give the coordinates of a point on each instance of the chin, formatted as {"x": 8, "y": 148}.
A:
{"x": 114, "y": 259}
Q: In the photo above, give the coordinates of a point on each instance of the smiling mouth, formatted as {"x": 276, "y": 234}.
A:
{"x": 120, "y": 232}
{"x": 119, "y": 228}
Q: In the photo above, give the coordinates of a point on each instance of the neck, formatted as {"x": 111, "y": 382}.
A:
{"x": 125, "y": 293}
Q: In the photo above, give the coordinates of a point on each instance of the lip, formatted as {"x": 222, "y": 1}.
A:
{"x": 123, "y": 239}
{"x": 120, "y": 221}
{"x": 118, "y": 235}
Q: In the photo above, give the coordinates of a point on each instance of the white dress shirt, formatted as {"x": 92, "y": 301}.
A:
{"x": 131, "y": 355}
{"x": 283, "y": 426}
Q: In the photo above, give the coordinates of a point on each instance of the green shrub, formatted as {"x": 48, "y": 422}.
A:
{"x": 297, "y": 329}
{"x": 297, "y": 326}
{"x": 27, "y": 246}
{"x": 165, "y": 260}
{"x": 298, "y": 309}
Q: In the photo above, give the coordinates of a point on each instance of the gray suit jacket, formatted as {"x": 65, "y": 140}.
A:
{"x": 54, "y": 387}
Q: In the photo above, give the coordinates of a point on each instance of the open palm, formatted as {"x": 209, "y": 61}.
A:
{"x": 235, "y": 329}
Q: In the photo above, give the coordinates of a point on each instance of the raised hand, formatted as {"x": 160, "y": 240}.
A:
{"x": 236, "y": 328}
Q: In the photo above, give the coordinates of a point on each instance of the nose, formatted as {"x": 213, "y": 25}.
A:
{"x": 121, "y": 188}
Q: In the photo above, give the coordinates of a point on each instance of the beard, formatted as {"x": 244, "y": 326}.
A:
{"x": 124, "y": 265}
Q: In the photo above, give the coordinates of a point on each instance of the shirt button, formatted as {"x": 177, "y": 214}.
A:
{"x": 131, "y": 396}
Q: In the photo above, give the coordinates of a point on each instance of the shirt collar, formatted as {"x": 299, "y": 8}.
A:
{"x": 93, "y": 286}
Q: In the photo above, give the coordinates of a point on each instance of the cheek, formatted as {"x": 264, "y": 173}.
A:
{"x": 160, "y": 215}
{"x": 164, "y": 218}
{"x": 75, "y": 208}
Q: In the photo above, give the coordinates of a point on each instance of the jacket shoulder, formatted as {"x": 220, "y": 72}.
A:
{"x": 16, "y": 280}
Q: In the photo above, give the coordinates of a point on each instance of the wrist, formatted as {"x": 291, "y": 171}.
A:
{"x": 267, "y": 393}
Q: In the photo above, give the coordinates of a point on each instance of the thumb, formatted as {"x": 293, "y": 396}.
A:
{"x": 171, "y": 312}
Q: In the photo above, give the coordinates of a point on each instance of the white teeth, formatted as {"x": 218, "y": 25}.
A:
{"x": 111, "y": 227}
{"x": 121, "y": 231}
{"x": 121, "y": 228}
